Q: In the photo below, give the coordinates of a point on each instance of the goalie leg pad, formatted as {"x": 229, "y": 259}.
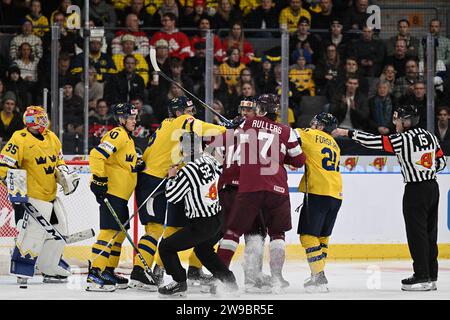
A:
{"x": 30, "y": 240}
{"x": 51, "y": 254}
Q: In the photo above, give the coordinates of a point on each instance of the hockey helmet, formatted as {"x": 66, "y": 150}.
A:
{"x": 179, "y": 104}
{"x": 247, "y": 102}
{"x": 405, "y": 112}
{"x": 123, "y": 110}
{"x": 327, "y": 120}
{"x": 267, "y": 103}
{"x": 36, "y": 118}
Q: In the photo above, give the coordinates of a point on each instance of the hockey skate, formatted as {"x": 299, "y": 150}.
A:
{"x": 22, "y": 281}
{"x": 197, "y": 278}
{"x": 217, "y": 287}
{"x": 139, "y": 280}
{"x": 121, "y": 282}
{"x": 97, "y": 282}
{"x": 417, "y": 284}
{"x": 317, "y": 283}
{"x": 54, "y": 279}
{"x": 261, "y": 283}
{"x": 433, "y": 284}
{"x": 279, "y": 283}
{"x": 158, "y": 272}
{"x": 173, "y": 289}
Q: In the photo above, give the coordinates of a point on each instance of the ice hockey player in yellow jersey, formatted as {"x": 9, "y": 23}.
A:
{"x": 114, "y": 165}
{"x": 37, "y": 150}
{"x": 322, "y": 185}
{"x": 163, "y": 151}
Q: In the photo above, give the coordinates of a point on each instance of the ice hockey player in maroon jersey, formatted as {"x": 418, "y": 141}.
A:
{"x": 265, "y": 146}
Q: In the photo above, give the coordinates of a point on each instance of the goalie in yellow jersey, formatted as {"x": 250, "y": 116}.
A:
{"x": 114, "y": 166}
{"x": 163, "y": 151}
{"x": 322, "y": 185}
{"x": 34, "y": 158}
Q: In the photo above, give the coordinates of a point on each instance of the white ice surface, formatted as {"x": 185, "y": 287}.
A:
{"x": 347, "y": 280}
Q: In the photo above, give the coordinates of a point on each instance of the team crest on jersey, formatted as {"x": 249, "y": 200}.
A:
{"x": 212, "y": 192}
{"x": 379, "y": 163}
{"x": 426, "y": 160}
{"x": 41, "y": 160}
{"x": 129, "y": 158}
{"x": 351, "y": 162}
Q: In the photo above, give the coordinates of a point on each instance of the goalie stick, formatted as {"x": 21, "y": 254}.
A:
{"x": 110, "y": 243}
{"x": 165, "y": 76}
{"x": 47, "y": 226}
{"x": 148, "y": 271}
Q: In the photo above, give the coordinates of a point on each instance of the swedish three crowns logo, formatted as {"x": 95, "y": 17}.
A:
{"x": 129, "y": 158}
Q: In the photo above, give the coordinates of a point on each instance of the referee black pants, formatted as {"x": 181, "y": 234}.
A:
{"x": 420, "y": 211}
{"x": 201, "y": 234}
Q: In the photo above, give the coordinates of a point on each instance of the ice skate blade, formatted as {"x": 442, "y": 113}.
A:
{"x": 178, "y": 295}
{"x": 427, "y": 286}
{"x": 317, "y": 289}
{"x": 93, "y": 287}
{"x": 122, "y": 286}
{"x": 134, "y": 284}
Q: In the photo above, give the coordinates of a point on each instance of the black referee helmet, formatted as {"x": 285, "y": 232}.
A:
{"x": 407, "y": 112}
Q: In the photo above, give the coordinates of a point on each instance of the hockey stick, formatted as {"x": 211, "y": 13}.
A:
{"x": 148, "y": 271}
{"x": 110, "y": 243}
{"x": 75, "y": 237}
{"x": 165, "y": 76}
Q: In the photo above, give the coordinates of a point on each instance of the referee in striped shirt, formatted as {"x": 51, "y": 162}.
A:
{"x": 196, "y": 185}
{"x": 420, "y": 158}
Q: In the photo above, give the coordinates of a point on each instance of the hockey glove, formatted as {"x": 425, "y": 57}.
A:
{"x": 140, "y": 165}
{"x": 99, "y": 187}
{"x": 233, "y": 124}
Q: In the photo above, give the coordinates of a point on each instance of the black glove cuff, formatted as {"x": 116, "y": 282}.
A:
{"x": 100, "y": 181}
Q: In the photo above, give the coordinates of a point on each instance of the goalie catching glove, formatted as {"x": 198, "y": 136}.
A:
{"x": 99, "y": 187}
{"x": 67, "y": 180}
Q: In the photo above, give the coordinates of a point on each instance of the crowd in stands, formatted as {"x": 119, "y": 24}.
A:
{"x": 333, "y": 54}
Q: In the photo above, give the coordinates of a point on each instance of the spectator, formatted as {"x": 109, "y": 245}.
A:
{"x": 96, "y": 88}
{"x": 27, "y": 62}
{"x": 204, "y": 25}
{"x": 442, "y": 129}
{"x": 10, "y": 119}
{"x": 380, "y": 110}
{"x": 128, "y": 45}
{"x": 301, "y": 76}
{"x": 192, "y": 20}
{"x": 102, "y": 14}
{"x": 147, "y": 122}
{"x": 195, "y": 67}
{"x": 336, "y": 37}
{"x": 26, "y": 36}
{"x": 102, "y": 62}
{"x": 264, "y": 74}
{"x": 419, "y": 99}
{"x": 79, "y": 47}
{"x": 290, "y": 16}
{"x": 160, "y": 101}
{"x": 132, "y": 27}
{"x": 350, "y": 106}
{"x": 389, "y": 74}
{"x": 168, "y": 6}
{"x": 101, "y": 120}
{"x": 275, "y": 88}
{"x": 19, "y": 87}
{"x": 137, "y": 7}
{"x": 405, "y": 85}
{"x": 304, "y": 43}
{"x": 231, "y": 68}
{"x": 327, "y": 69}
{"x": 73, "y": 110}
{"x": 218, "y": 107}
{"x": 412, "y": 43}
{"x": 37, "y": 19}
{"x": 369, "y": 52}
{"x": 220, "y": 86}
{"x": 64, "y": 74}
{"x": 350, "y": 69}
{"x": 177, "y": 74}
{"x": 246, "y": 77}
{"x": 9, "y": 16}
{"x": 179, "y": 45}
{"x": 126, "y": 85}
{"x": 225, "y": 15}
{"x": 399, "y": 58}
{"x": 2, "y": 90}
{"x": 236, "y": 39}
{"x": 356, "y": 16}
{"x": 263, "y": 17}
{"x": 62, "y": 9}
{"x": 323, "y": 19}
{"x": 443, "y": 44}
{"x": 67, "y": 37}
{"x": 162, "y": 55}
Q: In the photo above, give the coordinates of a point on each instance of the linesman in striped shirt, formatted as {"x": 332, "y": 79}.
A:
{"x": 196, "y": 185}
{"x": 420, "y": 158}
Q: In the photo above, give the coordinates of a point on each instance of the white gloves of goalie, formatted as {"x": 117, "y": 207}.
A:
{"x": 67, "y": 180}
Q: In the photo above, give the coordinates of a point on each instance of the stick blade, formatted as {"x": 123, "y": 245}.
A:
{"x": 153, "y": 60}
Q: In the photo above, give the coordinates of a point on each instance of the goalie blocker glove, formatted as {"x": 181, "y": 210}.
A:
{"x": 67, "y": 180}
{"x": 99, "y": 187}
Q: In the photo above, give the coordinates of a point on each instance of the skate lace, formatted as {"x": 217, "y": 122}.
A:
{"x": 172, "y": 285}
